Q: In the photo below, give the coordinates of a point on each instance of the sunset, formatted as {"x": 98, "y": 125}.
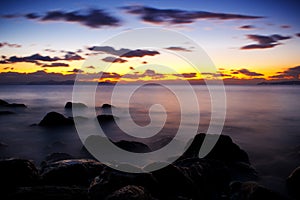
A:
{"x": 149, "y": 100}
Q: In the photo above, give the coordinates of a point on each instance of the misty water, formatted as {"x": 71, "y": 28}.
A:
{"x": 262, "y": 120}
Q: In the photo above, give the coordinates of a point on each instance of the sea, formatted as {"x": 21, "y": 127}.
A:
{"x": 262, "y": 119}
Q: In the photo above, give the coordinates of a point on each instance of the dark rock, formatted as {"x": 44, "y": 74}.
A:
{"x": 16, "y": 105}
{"x": 57, "y": 157}
{"x": 111, "y": 180}
{"x": 75, "y": 105}
{"x": 17, "y": 172}
{"x": 133, "y": 146}
{"x": 71, "y": 172}
{"x": 53, "y": 119}
{"x": 130, "y": 192}
{"x": 50, "y": 193}
{"x": 3, "y": 103}
{"x": 224, "y": 150}
{"x": 106, "y": 105}
{"x": 252, "y": 191}
{"x": 105, "y": 118}
{"x": 5, "y": 112}
{"x": 293, "y": 183}
{"x": 2, "y": 144}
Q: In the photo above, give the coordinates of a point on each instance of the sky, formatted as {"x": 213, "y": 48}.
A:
{"x": 247, "y": 41}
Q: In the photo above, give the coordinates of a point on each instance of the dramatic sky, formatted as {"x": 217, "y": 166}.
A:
{"x": 248, "y": 41}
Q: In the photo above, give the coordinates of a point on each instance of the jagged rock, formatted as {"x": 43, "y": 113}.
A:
{"x": 50, "y": 193}
{"x": 293, "y": 183}
{"x": 130, "y": 192}
{"x": 53, "y": 157}
{"x": 252, "y": 191}
{"x": 74, "y": 105}
{"x": 53, "y": 119}
{"x": 71, "y": 172}
{"x": 3, "y": 103}
{"x": 17, "y": 172}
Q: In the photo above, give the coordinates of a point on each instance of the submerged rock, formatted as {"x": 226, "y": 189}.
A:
{"x": 130, "y": 192}
{"x": 17, "y": 172}
{"x": 71, "y": 172}
{"x": 293, "y": 183}
{"x": 252, "y": 191}
{"x": 53, "y": 119}
{"x": 75, "y": 105}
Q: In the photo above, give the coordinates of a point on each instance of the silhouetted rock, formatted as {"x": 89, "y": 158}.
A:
{"x": 6, "y": 112}
{"x": 106, "y": 105}
{"x": 75, "y": 105}
{"x": 16, "y": 105}
{"x": 53, "y": 119}
{"x": 17, "y": 172}
{"x": 133, "y": 146}
{"x": 224, "y": 150}
{"x": 105, "y": 118}
{"x": 2, "y": 144}
{"x": 53, "y": 157}
{"x": 111, "y": 180}
{"x": 252, "y": 191}
{"x": 130, "y": 192}
{"x": 50, "y": 193}
{"x": 293, "y": 183}
{"x": 71, "y": 172}
{"x": 3, "y": 103}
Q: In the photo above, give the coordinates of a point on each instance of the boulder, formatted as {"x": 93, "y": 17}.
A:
{"x": 53, "y": 119}
{"x": 70, "y": 105}
{"x": 130, "y": 192}
{"x": 17, "y": 172}
{"x": 71, "y": 172}
{"x": 106, "y": 105}
{"x": 252, "y": 191}
{"x": 50, "y": 193}
{"x": 293, "y": 183}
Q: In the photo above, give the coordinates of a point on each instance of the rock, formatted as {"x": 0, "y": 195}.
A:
{"x": 5, "y": 112}
{"x": 71, "y": 172}
{"x": 50, "y": 193}
{"x": 106, "y": 105}
{"x": 111, "y": 180}
{"x": 224, "y": 150}
{"x": 293, "y": 183}
{"x": 133, "y": 146}
{"x": 17, "y": 172}
{"x": 57, "y": 157}
{"x": 252, "y": 191}
{"x": 3, "y": 103}
{"x": 53, "y": 119}
{"x": 130, "y": 192}
{"x": 105, "y": 118}
{"x": 2, "y": 144}
{"x": 74, "y": 105}
{"x": 16, "y": 105}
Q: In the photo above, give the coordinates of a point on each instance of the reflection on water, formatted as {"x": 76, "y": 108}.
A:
{"x": 263, "y": 120}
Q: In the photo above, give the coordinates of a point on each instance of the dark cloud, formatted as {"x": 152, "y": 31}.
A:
{"x": 187, "y": 75}
{"x": 264, "y": 42}
{"x": 35, "y": 58}
{"x": 144, "y": 62}
{"x": 285, "y": 26}
{"x": 56, "y": 65}
{"x": 114, "y": 59}
{"x": 113, "y": 75}
{"x": 178, "y": 49}
{"x": 76, "y": 70}
{"x": 175, "y": 16}
{"x": 248, "y": 73}
{"x": 131, "y": 68}
{"x": 50, "y": 50}
{"x": 127, "y": 53}
{"x": 215, "y": 75}
{"x": 298, "y": 34}
{"x": 247, "y": 27}
{"x": 293, "y": 72}
{"x": 3, "y": 44}
{"x": 93, "y": 18}
{"x": 90, "y": 67}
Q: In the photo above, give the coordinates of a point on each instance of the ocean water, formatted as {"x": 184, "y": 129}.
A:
{"x": 262, "y": 120}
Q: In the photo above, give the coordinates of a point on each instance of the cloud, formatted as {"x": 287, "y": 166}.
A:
{"x": 264, "y": 42}
{"x": 175, "y": 16}
{"x": 90, "y": 67}
{"x": 247, "y": 27}
{"x": 56, "y": 65}
{"x": 298, "y": 34}
{"x": 35, "y": 58}
{"x": 127, "y": 53}
{"x": 293, "y": 72}
{"x": 248, "y": 73}
{"x": 187, "y": 75}
{"x": 285, "y": 26}
{"x": 76, "y": 70}
{"x": 93, "y": 18}
{"x": 178, "y": 49}
{"x": 3, "y": 44}
{"x": 114, "y": 59}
